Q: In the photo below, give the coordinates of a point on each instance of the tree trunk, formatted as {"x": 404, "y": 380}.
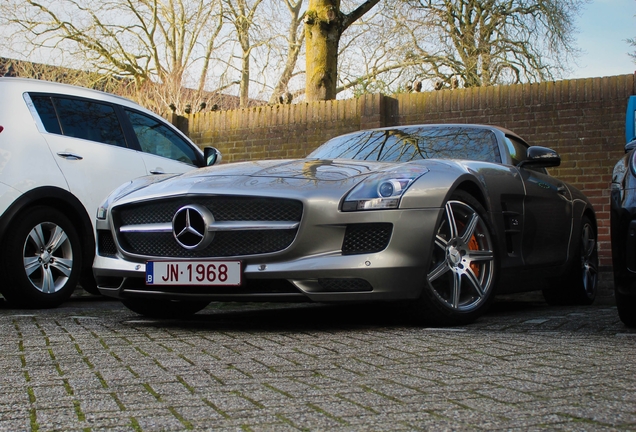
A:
{"x": 244, "y": 91}
{"x": 323, "y": 27}
{"x": 295, "y": 41}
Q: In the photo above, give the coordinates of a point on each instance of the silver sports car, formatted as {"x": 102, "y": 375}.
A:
{"x": 438, "y": 217}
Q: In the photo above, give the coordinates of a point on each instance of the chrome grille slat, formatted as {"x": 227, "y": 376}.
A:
{"x": 217, "y": 226}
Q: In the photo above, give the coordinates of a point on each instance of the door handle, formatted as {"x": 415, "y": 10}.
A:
{"x": 69, "y": 156}
{"x": 157, "y": 171}
{"x": 562, "y": 190}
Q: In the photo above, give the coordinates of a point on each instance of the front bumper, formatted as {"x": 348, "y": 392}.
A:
{"x": 307, "y": 270}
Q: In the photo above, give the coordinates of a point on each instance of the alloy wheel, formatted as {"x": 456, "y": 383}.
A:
{"x": 48, "y": 257}
{"x": 462, "y": 268}
{"x": 589, "y": 260}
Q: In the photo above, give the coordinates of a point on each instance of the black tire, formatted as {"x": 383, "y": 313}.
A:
{"x": 463, "y": 265}
{"x": 42, "y": 259}
{"x": 580, "y": 285}
{"x": 626, "y": 306}
{"x": 164, "y": 309}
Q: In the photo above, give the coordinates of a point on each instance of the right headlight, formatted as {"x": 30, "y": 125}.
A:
{"x": 382, "y": 190}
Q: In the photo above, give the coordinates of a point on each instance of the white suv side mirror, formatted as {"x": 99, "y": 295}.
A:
{"x": 211, "y": 156}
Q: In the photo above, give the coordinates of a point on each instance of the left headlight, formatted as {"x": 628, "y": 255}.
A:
{"x": 383, "y": 190}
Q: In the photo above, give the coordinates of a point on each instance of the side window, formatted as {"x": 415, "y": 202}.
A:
{"x": 518, "y": 152}
{"x": 158, "y": 139}
{"x": 44, "y": 106}
{"x": 516, "y": 149}
{"x": 89, "y": 120}
{"x": 80, "y": 118}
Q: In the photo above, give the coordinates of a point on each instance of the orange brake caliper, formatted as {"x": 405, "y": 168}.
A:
{"x": 473, "y": 245}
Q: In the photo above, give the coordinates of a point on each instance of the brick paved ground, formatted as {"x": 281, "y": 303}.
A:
{"x": 93, "y": 365}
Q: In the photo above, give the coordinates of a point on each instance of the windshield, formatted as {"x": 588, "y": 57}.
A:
{"x": 413, "y": 143}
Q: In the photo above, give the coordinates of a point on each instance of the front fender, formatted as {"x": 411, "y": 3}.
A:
{"x": 435, "y": 187}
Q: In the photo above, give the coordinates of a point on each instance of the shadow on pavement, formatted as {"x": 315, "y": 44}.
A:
{"x": 285, "y": 316}
{"x": 308, "y": 317}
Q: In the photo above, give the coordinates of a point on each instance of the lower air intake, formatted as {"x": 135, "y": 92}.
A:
{"x": 366, "y": 238}
{"x": 345, "y": 285}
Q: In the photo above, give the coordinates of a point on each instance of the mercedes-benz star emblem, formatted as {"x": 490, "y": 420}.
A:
{"x": 190, "y": 227}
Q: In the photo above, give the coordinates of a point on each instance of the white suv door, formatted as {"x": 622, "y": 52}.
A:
{"x": 88, "y": 144}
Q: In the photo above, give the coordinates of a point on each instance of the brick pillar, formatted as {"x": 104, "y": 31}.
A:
{"x": 372, "y": 111}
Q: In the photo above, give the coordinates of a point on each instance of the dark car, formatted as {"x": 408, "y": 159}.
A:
{"x": 430, "y": 215}
{"x": 623, "y": 228}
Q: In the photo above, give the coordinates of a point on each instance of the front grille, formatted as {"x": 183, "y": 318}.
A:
{"x": 366, "y": 238}
{"x": 105, "y": 243}
{"x": 224, "y": 209}
{"x": 225, "y": 244}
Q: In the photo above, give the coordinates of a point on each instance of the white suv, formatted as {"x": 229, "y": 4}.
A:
{"x": 62, "y": 150}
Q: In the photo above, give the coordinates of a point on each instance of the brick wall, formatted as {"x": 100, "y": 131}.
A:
{"x": 583, "y": 120}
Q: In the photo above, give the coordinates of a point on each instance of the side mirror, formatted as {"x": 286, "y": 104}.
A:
{"x": 211, "y": 156}
{"x": 540, "y": 157}
{"x": 630, "y": 145}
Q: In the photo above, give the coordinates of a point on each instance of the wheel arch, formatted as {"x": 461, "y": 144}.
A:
{"x": 63, "y": 201}
{"x": 444, "y": 189}
{"x": 476, "y": 190}
{"x": 472, "y": 188}
{"x": 580, "y": 210}
{"x": 589, "y": 212}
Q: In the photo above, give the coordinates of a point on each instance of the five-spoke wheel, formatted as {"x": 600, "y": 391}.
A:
{"x": 42, "y": 259}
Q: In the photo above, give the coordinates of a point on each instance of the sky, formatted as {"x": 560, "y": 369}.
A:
{"x": 603, "y": 27}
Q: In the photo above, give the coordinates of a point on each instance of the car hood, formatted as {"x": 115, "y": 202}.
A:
{"x": 275, "y": 177}
{"x": 300, "y": 169}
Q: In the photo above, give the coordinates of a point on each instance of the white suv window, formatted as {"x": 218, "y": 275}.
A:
{"x": 157, "y": 139}
{"x": 80, "y": 119}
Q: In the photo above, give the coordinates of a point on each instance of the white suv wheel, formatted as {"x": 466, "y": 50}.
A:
{"x": 42, "y": 259}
